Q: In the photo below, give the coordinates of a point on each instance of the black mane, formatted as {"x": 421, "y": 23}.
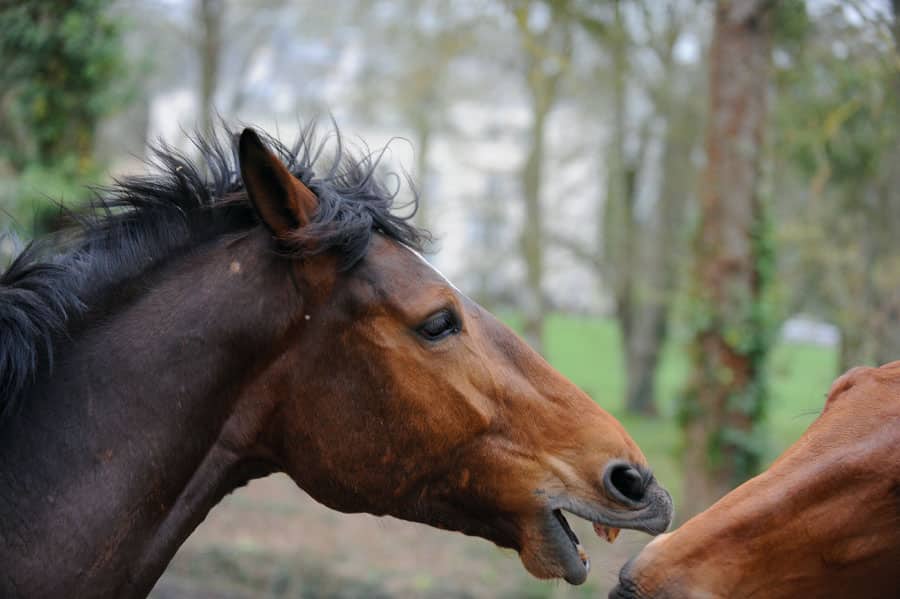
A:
{"x": 140, "y": 222}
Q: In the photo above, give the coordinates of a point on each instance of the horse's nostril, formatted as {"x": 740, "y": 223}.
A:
{"x": 627, "y": 480}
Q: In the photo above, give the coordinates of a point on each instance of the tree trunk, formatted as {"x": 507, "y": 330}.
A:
{"x": 887, "y": 319}
{"x": 423, "y": 146}
{"x": 857, "y": 312}
{"x": 886, "y": 222}
{"x": 642, "y": 351}
{"x": 655, "y": 278}
{"x": 532, "y": 232}
{"x": 209, "y": 13}
{"x": 616, "y": 231}
{"x": 547, "y": 55}
{"x": 723, "y": 403}
{"x": 651, "y": 245}
{"x": 852, "y": 348}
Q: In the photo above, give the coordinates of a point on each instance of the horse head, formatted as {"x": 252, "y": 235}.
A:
{"x": 396, "y": 394}
{"x": 822, "y": 521}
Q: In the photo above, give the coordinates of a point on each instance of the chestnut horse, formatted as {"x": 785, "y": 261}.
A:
{"x": 194, "y": 332}
{"x": 822, "y": 521}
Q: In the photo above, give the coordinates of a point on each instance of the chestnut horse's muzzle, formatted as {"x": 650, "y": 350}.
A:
{"x": 644, "y": 506}
{"x": 642, "y": 503}
{"x": 627, "y": 588}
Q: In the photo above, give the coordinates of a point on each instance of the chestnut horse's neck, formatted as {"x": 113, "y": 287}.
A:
{"x": 121, "y": 451}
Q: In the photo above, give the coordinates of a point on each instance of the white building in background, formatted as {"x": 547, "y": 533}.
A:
{"x": 807, "y": 329}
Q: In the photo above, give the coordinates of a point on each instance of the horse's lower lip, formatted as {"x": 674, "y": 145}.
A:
{"x": 561, "y": 546}
{"x": 577, "y": 563}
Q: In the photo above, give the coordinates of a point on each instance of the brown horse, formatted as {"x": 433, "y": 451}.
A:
{"x": 823, "y": 521}
{"x": 193, "y": 333}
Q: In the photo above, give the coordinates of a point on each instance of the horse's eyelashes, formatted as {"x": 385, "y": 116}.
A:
{"x": 439, "y": 325}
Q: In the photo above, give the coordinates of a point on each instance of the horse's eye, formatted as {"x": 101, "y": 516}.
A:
{"x": 439, "y": 325}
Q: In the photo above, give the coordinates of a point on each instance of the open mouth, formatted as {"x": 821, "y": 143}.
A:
{"x": 576, "y": 561}
{"x": 562, "y": 546}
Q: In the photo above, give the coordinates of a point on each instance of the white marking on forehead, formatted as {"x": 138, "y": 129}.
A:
{"x": 432, "y": 267}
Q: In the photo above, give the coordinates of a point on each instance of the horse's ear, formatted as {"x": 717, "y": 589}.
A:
{"x": 282, "y": 201}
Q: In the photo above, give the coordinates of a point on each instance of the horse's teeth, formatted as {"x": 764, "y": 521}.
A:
{"x": 607, "y": 532}
{"x": 583, "y": 555}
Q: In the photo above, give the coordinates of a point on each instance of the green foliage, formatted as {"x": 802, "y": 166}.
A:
{"x": 791, "y": 24}
{"x": 837, "y": 125}
{"x": 746, "y": 326}
{"x": 832, "y": 112}
{"x": 63, "y": 69}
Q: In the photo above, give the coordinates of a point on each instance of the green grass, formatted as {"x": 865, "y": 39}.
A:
{"x": 587, "y": 351}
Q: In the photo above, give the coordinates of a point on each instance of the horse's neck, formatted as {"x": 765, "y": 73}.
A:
{"x": 119, "y": 454}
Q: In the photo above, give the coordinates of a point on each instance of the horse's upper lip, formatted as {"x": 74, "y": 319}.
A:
{"x": 653, "y": 516}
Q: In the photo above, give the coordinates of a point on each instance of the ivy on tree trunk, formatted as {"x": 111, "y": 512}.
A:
{"x": 724, "y": 402}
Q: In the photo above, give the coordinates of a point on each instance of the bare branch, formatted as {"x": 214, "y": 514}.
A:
{"x": 744, "y": 11}
{"x": 579, "y": 251}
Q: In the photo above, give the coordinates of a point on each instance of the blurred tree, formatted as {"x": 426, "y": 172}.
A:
{"x": 618, "y": 227}
{"x": 63, "y": 71}
{"x": 642, "y": 251}
{"x": 733, "y": 263}
{"x": 654, "y": 101}
{"x": 546, "y": 39}
{"x": 886, "y": 325}
{"x": 209, "y": 16}
{"x": 411, "y": 79}
{"x": 225, "y": 40}
{"x": 839, "y": 126}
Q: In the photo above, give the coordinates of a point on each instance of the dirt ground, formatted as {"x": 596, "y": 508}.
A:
{"x": 272, "y": 540}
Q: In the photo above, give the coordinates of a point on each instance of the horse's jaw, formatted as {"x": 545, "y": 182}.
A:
{"x": 553, "y": 550}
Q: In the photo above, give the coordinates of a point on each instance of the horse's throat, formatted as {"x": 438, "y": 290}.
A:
{"x": 221, "y": 471}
